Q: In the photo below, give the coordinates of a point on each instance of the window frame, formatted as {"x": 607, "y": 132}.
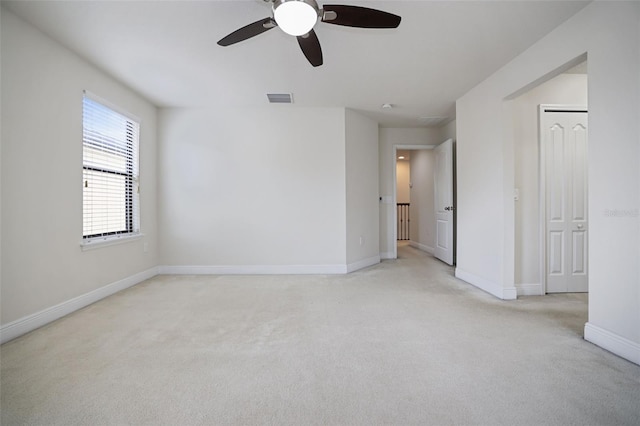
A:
{"x": 131, "y": 177}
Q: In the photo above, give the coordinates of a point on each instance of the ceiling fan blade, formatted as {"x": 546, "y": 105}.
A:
{"x": 310, "y": 46}
{"x": 248, "y": 31}
{"x": 360, "y": 17}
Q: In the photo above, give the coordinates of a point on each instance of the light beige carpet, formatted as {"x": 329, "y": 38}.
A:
{"x": 399, "y": 343}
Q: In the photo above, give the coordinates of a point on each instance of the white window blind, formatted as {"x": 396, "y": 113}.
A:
{"x": 110, "y": 172}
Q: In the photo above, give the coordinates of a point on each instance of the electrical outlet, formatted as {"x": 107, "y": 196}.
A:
{"x": 145, "y": 247}
{"x": 361, "y": 240}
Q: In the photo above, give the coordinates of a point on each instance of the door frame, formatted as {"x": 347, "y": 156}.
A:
{"x": 394, "y": 192}
{"x": 542, "y": 155}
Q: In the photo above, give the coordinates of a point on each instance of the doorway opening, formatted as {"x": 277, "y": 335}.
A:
{"x": 413, "y": 197}
{"x": 403, "y": 196}
{"x": 550, "y": 173}
{"x": 424, "y": 200}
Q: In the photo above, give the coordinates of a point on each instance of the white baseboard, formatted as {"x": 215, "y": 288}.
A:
{"x": 253, "y": 269}
{"x": 505, "y": 293}
{"x": 612, "y": 342}
{"x": 267, "y": 269}
{"x": 31, "y": 322}
{"x": 386, "y": 255}
{"x": 422, "y": 247}
{"x": 351, "y": 267}
{"x": 534, "y": 289}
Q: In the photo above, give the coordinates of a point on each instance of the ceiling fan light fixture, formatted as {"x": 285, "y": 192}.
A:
{"x": 295, "y": 17}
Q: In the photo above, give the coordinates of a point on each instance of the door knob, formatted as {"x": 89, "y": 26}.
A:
{"x": 579, "y": 226}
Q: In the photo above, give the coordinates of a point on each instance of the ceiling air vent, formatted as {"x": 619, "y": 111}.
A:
{"x": 280, "y": 98}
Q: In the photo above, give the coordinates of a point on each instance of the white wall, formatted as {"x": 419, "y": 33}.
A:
{"x": 1, "y": 9}
{"x": 403, "y": 179}
{"x": 42, "y": 263}
{"x": 362, "y": 227}
{"x": 389, "y": 138}
{"x": 261, "y": 190}
{"x": 637, "y": 255}
{"x": 608, "y": 32}
{"x": 423, "y": 219}
{"x": 567, "y": 89}
{"x": 448, "y": 131}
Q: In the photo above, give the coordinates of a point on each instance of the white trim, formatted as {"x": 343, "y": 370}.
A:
{"x": 533, "y": 289}
{"x": 364, "y": 263}
{"x": 31, "y": 322}
{"x": 612, "y": 342}
{"x": 423, "y": 247}
{"x": 504, "y": 293}
{"x": 509, "y": 293}
{"x": 99, "y": 242}
{"x": 252, "y": 269}
{"x": 387, "y": 255}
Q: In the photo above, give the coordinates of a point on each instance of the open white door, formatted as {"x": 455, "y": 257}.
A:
{"x": 443, "y": 191}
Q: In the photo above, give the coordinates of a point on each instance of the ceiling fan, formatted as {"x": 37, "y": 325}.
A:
{"x": 298, "y": 17}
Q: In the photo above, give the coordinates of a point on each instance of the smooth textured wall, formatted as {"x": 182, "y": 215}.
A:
{"x": 403, "y": 179}
{"x": 565, "y": 89}
{"x": 42, "y": 88}
{"x": 253, "y": 188}
{"x": 361, "y": 145}
{"x": 608, "y": 33}
{"x": 1, "y": 9}
{"x": 448, "y": 131}
{"x": 423, "y": 218}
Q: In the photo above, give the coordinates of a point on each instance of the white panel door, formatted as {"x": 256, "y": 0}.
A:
{"x": 565, "y": 165}
{"x": 443, "y": 191}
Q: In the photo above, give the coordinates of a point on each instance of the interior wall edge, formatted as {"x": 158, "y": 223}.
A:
{"x": 530, "y": 289}
{"x": 495, "y": 289}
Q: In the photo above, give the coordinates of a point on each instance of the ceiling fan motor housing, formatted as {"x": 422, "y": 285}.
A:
{"x": 312, "y": 3}
{"x": 296, "y": 17}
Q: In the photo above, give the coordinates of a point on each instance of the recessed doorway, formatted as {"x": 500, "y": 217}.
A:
{"x": 568, "y": 87}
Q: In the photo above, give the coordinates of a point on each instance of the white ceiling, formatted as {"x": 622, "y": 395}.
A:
{"x": 167, "y": 51}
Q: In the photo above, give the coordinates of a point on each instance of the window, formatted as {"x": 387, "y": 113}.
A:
{"x": 110, "y": 172}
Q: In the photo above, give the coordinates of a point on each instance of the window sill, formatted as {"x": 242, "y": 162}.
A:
{"x": 109, "y": 241}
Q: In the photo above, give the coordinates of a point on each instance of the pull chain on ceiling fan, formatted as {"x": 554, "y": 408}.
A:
{"x": 298, "y": 17}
